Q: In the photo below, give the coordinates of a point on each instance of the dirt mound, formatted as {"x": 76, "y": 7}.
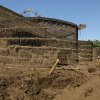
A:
{"x": 20, "y": 86}
{"x": 88, "y": 91}
{"x": 58, "y": 80}
{"x": 90, "y": 70}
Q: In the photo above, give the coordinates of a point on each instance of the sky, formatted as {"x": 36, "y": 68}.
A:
{"x": 76, "y": 11}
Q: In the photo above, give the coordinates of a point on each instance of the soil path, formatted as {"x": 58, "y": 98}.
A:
{"x": 88, "y": 91}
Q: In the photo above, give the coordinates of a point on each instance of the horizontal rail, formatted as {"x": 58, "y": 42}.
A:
{"x": 39, "y": 39}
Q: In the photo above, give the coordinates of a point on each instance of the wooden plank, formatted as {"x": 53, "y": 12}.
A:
{"x": 53, "y": 67}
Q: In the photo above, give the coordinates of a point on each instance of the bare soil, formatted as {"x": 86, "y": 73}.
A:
{"x": 24, "y": 83}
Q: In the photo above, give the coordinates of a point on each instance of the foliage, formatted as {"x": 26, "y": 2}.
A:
{"x": 96, "y": 43}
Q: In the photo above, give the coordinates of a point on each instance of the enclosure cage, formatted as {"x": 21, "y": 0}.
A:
{"x": 38, "y": 32}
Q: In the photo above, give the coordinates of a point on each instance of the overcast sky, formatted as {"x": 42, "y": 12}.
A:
{"x": 76, "y": 11}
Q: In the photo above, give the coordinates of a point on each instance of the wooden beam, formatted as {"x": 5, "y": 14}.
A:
{"x": 53, "y": 67}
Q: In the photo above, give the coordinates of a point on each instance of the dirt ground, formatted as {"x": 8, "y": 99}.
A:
{"x": 27, "y": 83}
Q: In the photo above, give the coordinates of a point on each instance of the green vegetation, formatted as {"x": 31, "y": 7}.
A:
{"x": 96, "y": 43}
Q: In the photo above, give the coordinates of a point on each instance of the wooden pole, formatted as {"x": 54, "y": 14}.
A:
{"x": 53, "y": 67}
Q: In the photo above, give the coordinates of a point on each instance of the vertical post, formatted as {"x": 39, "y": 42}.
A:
{"x": 45, "y": 33}
{"x": 94, "y": 54}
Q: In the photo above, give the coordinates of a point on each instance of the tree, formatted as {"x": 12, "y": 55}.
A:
{"x": 96, "y": 43}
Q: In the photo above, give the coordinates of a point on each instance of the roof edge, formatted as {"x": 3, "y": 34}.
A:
{"x": 53, "y": 19}
{"x": 13, "y": 12}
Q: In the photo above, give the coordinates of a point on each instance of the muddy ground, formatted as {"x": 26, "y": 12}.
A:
{"x": 28, "y": 83}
